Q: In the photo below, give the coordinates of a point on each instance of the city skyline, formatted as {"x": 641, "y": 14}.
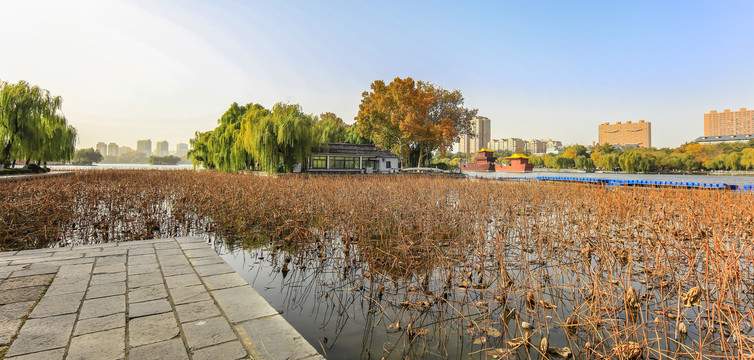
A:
{"x": 537, "y": 70}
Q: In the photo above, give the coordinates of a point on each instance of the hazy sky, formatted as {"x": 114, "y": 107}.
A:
{"x": 130, "y": 70}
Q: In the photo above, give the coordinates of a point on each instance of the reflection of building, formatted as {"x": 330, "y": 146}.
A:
{"x": 161, "y": 148}
{"x": 353, "y": 158}
{"x": 144, "y": 147}
{"x": 112, "y": 149}
{"x": 480, "y": 136}
{"x": 728, "y": 122}
{"x": 181, "y": 150}
{"x": 628, "y": 133}
{"x": 102, "y": 148}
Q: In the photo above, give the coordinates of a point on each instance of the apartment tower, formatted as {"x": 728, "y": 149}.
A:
{"x": 480, "y": 136}
{"x": 728, "y": 122}
{"x": 626, "y": 134}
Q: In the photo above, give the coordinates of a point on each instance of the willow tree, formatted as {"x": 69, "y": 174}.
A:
{"x": 30, "y": 125}
{"x": 281, "y": 139}
{"x": 329, "y": 128}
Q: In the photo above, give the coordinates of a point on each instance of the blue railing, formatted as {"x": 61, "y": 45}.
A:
{"x": 634, "y": 183}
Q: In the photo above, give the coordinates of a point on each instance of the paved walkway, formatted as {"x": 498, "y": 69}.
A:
{"x": 152, "y": 299}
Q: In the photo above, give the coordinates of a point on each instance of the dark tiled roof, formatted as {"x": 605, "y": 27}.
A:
{"x": 740, "y": 137}
{"x": 354, "y": 149}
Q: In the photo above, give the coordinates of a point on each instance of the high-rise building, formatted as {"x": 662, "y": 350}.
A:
{"x": 728, "y": 122}
{"x": 181, "y": 150}
{"x": 112, "y": 149}
{"x": 102, "y": 148}
{"x": 626, "y": 134}
{"x": 144, "y": 147}
{"x": 161, "y": 148}
{"x": 535, "y": 146}
{"x": 553, "y": 146}
{"x": 480, "y": 135}
{"x": 514, "y": 145}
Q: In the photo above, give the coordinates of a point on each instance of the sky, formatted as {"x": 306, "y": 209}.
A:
{"x": 161, "y": 70}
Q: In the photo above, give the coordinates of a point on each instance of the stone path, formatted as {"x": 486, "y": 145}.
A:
{"x": 152, "y": 299}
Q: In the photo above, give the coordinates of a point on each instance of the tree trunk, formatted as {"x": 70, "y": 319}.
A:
{"x": 4, "y": 159}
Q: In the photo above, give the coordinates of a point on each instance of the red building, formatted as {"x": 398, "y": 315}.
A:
{"x": 485, "y": 161}
{"x": 519, "y": 163}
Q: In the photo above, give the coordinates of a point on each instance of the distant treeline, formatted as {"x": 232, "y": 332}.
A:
{"x": 687, "y": 157}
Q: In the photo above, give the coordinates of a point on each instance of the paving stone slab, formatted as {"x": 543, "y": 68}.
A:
{"x": 139, "y": 280}
{"x": 142, "y": 259}
{"x": 110, "y": 344}
{"x": 203, "y": 333}
{"x": 182, "y": 280}
{"x": 21, "y": 294}
{"x": 172, "y": 349}
{"x": 188, "y": 294}
{"x": 147, "y": 308}
{"x": 75, "y": 271}
{"x": 26, "y": 281}
{"x": 274, "y": 338}
{"x": 200, "y": 253}
{"x": 47, "y": 270}
{"x": 102, "y": 323}
{"x": 214, "y": 269}
{"x": 105, "y": 290}
{"x": 231, "y": 350}
{"x": 146, "y": 293}
{"x": 109, "y": 268}
{"x": 15, "y": 310}
{"x": 111, "y": 260}
{"x": 53, "y": 305}
{"x": 8, "y": 328}
{"x": 79, "y": 261}
{"x": 43, "y": 334}
{"x": 108, "y": 278}
{"x": 207, "y": 261}
{"x": 143, "y": 269}
{"x": 62, "y": 286}
{"x": 177, "y": 270}
{"x": 197, "y": 311}
{"x": 141, "y": 251}
{"x": 56, "y": 354}
{"x": 242, "y": 303}
{"x": 217, "y": 282}
{"x": 103, "y": 306}
{"x": 152, "y": 329}
{"x": 169, "y": 251}
{"x": 173, "y": 260}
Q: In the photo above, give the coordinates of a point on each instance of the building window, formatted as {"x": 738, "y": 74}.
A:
{"x": 387, "y": 165}
{"x": 319, "y": 162}
{"x": 341, "y": 162}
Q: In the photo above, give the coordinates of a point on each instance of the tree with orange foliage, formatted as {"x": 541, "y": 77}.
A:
{"x": 412, "y": 118}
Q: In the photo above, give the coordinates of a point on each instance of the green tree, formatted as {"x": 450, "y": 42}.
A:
{"x": 574, "y": 151}
{"x": 30, "y": 125}
{"x": 86, "y": 156}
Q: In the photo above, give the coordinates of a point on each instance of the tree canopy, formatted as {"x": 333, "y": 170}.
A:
{"x": 31, "y": 127}
{"x": 413, "y": 118}
{"x": 252, "y": 137}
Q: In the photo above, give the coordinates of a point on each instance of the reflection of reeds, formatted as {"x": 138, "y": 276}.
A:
{"x": 617, "y": 269}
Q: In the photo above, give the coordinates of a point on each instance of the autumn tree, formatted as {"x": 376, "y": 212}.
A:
{"x": 413, "y": 118}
